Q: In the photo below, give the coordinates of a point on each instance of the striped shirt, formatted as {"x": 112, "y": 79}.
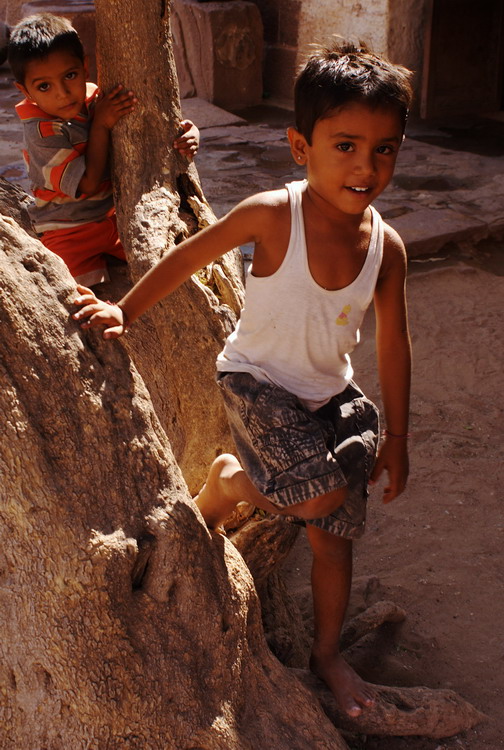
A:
{"x": 55, "y": 159}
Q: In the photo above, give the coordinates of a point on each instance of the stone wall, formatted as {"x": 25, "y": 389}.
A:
{"x": 281, "y": 35}
{"x": 391, "y": 27}
{"x": 11, "y": 11}
{"x": 405, "y": 37}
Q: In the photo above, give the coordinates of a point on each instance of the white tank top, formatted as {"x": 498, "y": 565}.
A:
{"x": 293, "y": 332}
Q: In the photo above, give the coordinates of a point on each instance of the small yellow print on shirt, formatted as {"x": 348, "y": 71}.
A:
{"x": 342, "y": 319}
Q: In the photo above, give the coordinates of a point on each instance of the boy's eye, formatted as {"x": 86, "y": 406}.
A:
{"x": 43, "y": 87}
{"x": 345, "y": 147}
{"x": 385, "y": 149}
{"x": 71, "y": 76}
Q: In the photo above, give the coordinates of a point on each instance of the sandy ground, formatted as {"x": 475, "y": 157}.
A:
{"x": 437, "y": 550}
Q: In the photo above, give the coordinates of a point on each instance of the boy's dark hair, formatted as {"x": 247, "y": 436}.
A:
{"x": 344, "y": 72}
{"x": 35, "y": 37}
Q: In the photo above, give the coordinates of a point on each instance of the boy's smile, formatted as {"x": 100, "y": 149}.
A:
{"x": 352, "y": 156}
{"x": 57, "y": 84}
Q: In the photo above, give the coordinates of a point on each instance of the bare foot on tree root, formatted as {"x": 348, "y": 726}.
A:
{"x": 350, "y": 692}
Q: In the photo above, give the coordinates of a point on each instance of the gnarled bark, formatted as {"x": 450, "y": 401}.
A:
{"x": 123, "y": 622}
{"x": 159, "y": 202}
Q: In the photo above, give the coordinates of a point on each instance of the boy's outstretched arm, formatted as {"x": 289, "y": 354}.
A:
{"x": 108, "y": 110}
{"x": 238, "y": 227}
{"x": 394, "y": 364}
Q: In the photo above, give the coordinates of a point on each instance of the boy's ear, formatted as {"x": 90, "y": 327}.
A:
{"x": 22, "y": 89}
{"x": 298, "y": 145}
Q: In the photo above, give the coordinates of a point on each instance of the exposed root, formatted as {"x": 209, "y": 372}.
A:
{"x": 400, "y": 712}
{"x": 367, "y": 621}
{"x": 264, "y": 544}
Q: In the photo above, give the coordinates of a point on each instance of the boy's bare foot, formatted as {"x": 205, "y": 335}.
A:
{"x": 351, "y": 693}
{"x": 215, "y": 500}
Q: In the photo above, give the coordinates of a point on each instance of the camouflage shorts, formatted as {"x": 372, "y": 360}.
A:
{"x": 292, "y": 454}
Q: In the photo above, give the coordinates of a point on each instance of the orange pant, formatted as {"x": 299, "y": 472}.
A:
{"x": 83, "y": 248}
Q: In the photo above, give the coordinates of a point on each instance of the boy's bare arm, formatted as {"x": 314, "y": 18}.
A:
{"x": 108, "y": 110}
{"x": 242, "y": 225}
{"x": 394, "y": 364}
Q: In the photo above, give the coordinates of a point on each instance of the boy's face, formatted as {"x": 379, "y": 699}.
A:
{"x": 57, "y": 84}
{"x": 352, "y": 156}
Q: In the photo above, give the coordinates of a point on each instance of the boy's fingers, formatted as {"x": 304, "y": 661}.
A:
{"x": 388, "y": 495}
{"x": 84, "y": 289}
{"x": 122, "y": 96}
{"x": 115, "y": 91}
{"x": 395, "y": 488}
{"x": 85, "y": 299}
{"x": 376, "y": 472}
{"x": 84, "y": 312}
{"x": 100, "y": 318}
{"x": 113, "y": 332}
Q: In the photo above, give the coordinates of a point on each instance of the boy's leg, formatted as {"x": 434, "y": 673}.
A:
{"x": 221, "y": 492}
{"x": 331, "y": 582}
{"x": 111, "y": 244}
{"x": 227, "y": 484}
{"x": 78, "y": 248}
{"x": 82, "y": 248}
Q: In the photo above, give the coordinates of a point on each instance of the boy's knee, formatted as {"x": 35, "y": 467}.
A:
{"x": 323, "y": 505}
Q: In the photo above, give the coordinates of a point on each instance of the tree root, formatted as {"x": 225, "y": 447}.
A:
{"x": 400, "y": 712}
{"x": 264, "y": 545}
{"x": 367, "y": 621}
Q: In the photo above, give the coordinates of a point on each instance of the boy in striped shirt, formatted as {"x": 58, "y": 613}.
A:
{"x": 67, "y": 125}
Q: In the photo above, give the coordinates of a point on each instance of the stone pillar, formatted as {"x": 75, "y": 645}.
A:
{"x": 218, "y": 51}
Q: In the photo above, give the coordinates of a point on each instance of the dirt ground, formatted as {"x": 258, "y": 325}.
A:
{"x": 437, "y": 550}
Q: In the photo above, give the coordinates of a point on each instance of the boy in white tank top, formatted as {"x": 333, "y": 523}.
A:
{"x": 305, "y": 433}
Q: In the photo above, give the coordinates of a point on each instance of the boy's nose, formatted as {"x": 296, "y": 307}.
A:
{"x": 365, "y": 164}
{"x": 63, "y": 90}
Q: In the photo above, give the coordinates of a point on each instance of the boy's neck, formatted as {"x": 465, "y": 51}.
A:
{"x": 332, "y": 216}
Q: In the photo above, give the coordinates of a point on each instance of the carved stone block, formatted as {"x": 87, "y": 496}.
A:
{"x": 218, "y": 51}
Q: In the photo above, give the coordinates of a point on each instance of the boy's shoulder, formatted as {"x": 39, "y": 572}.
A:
{"x": 392, "y": 239}
{"x": 38, "y": 125}
{"x": 258, "y": 217}
{"x": 394, "y": 251}
{"x": 268, "y": 199}
{"x": 263, "y": 209}
{"x": 28, "y": 111}
{"x": 270, "y": 204}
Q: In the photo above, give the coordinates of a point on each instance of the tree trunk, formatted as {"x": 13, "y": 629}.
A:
{"x": 159, "y": 202}
{"x": 123, "y": 622}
